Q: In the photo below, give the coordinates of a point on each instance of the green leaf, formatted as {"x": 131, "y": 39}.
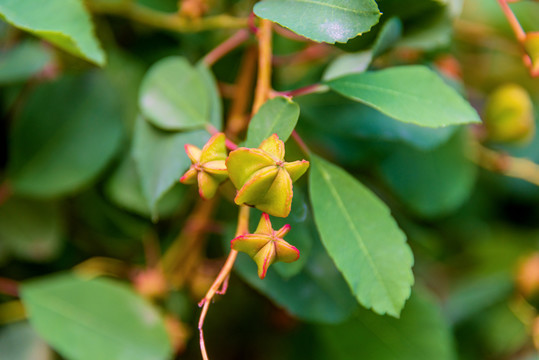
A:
{"x": 66, "y": 134}
{"x": 174, "y": 96}
{"x": 362, "y": 238}
{"x": 389, "y": 34}
{"x": 19, "y": 341}
{"x": 420, "y": 333}
{"x": 65, "y": 23}
{"x": 412, "y": 94}
{"x": 125, "y": 190}
{"x": 319, "y": 293}
{"x": 277, "y": 116}
{"x": 216, "y": 106}
{"x": 32, "y": 230}
{"x": 95, "y": 319}
{"x": 23, "y": 61}
{"x": 323, "y": 21}
{"x": 161, "y": 159}
{"x": 352, "y": 119}
{"x": 435, "y": 182}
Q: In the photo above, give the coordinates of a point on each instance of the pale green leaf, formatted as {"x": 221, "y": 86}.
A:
{"x": 66, "y": 134}
{"x": 95, "y": 319}
{"x": 124, "y": 188}
{"x": 420, "y": 333}
{"x": 161, "y": 159}
{"x": 412, "y": 94}
{"x": 32, "y": 230}
{"x": 216, "y": 106}
{"x": 323, "y": 21}
{"x": 174, "y": 96}
{"x": 65, "y": 23}
{"x": 277, "y": 116}
{"x": 363, "y": 239}
{"x": 23, "y": 61}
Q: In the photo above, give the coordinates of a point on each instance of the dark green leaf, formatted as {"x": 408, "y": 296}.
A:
{"x": 66, "y": 134}
{"x": 161, "y": 159}
{"x": 420, "y": 333}
{"x": 323, "y": 21}
{"x": 362, "y": 238}
{"x": 95, "y": 319}
{"x": 277, "y": 116}
{"x": 32, "y": 230}
{"x": 317, "y": 293}
{"x": 23, "y": 61}
{"x": 64, "y": 23}
{"x": 432, "y": 182}
{"x": 389, "y": 34}
{"x": 412, "y": 94}
{"x": 174, "y": 96}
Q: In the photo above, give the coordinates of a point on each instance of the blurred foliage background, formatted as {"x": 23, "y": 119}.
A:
{"x": 72, "y": 198}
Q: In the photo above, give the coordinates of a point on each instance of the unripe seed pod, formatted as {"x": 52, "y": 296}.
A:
{"x": 531, "y": 46}
{"x": 508, "y": 115}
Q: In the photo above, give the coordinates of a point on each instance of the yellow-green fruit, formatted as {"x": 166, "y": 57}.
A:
{"x": 509, "y": 115}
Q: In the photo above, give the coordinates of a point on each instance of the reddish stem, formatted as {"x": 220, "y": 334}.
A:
{"x": 513, "y": 21}
{"x": 309, "y": 89}
{"x": 302, "y": 145}
{"x": 9, "y": 287}
{"x": 226, "y": 46}
{"x": 5, "y": 192}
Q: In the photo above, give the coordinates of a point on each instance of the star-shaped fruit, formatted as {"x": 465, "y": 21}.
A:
{"x": 209, "y": 168}
{"x": 266, "y": 246}
{"x": 262, "y": 177}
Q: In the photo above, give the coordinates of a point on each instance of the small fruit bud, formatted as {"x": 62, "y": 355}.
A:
{"x": 209, "y": 168}
{"x": 266, "y": 246}
{"x": 262, "y": 177}
{"x": 531, "y": 46}
{"x": 509, "y": 115}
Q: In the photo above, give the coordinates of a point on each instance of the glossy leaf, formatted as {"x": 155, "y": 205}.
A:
{"x": 160, "y": 158}
{"x": 323, "y": 21}
{"x": 277, "y": 116}
{"x": 95, "y": 319}
{"x": 420, "y": 333}
{"x": 65, "y": 23}
{"x": 174, "y": 96}
{"x": 412, "y": 94}
{"x": 32, "y": 230}
{"x": 349, "y": 118}
{"x": 57, "y": 147}
{"x": 362, "y": 238}
{"x": 23, "y": 61}
{"x": 124, "y": 188}
{"x": 432, "y": 182}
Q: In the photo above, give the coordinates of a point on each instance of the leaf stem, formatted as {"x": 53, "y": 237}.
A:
{"x": 219, "y": 284}
{"x": 309, "y": 89}
{"x": 226, "y": 46}
{"x": 302, "y": 145}
{"x": 5, "y": 192}
{"x": 162, "y": 20}
{"x": 228, "y": 143}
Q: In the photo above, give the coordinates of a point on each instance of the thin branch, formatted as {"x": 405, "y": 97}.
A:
{"x": 513, "y": 21}
{"x": 309, "y": 89}
{"x": 226, "y": 47}
{"x": 263, "y": 84}
{"x": 507, "y": 165}
{"x": 162, "y": 20}
{"x": 5, "y": 192}
{"x": 302, "y": 145}
{"x": 219, "y": 284}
